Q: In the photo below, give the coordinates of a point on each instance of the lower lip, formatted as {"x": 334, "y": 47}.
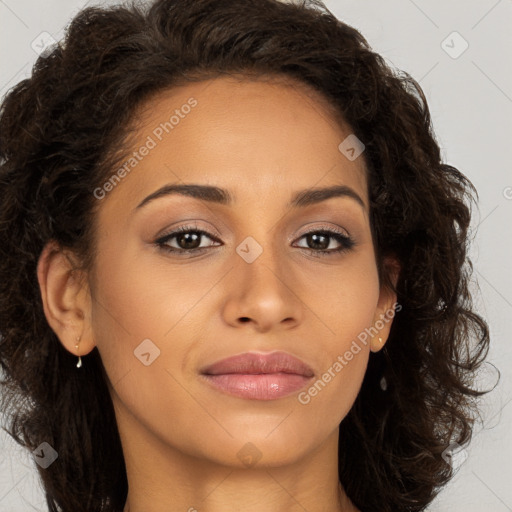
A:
{"x": 266, "y": 386}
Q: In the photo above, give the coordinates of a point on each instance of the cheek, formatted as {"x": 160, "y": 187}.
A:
{"x": 345, "y": 300}
{"x": 346, "y": 306}
{"x": 140, "y": 297}
{"x": 145, "y": 296}
{"x": 144, "y": 307}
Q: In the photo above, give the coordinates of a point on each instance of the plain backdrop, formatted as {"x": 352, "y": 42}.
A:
{"x": 460, "y": 52}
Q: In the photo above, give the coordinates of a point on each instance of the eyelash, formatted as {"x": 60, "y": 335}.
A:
{"x": 346, "y": 242}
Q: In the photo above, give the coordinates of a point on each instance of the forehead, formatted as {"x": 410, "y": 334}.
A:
{"x": 254, "y": 137}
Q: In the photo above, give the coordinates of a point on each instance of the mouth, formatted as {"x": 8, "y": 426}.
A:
{"x": 257, "y": 376}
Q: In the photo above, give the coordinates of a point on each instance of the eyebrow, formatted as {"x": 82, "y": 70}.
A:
{"x": 222, "y": 196}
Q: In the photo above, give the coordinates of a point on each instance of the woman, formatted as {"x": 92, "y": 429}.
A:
{"x": 234, "y": 271}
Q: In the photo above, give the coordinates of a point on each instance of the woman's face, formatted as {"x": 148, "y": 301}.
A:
{"x": 256, "y": 282}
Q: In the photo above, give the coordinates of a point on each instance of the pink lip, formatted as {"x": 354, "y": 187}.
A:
{"x": 258, "y": 376}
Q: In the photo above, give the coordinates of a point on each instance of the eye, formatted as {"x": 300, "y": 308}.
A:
{"x": 188, "y": 240}
{"x": 320, "y": 241}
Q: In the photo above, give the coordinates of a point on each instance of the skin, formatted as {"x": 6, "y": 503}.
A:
{"x": 262, "y": 141}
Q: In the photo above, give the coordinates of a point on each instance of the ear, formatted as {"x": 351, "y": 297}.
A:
{"x": 386, "y": 306}
{"x": 66, "y": 298}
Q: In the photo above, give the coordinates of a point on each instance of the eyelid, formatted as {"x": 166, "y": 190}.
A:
{"x": 192, "y": 226}
{"x": 313, "y": 227}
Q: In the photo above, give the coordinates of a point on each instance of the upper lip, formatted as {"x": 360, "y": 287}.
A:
{"x": 257, "y": 363}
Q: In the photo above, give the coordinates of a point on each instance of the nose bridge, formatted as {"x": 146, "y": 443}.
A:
{"x": 262, "y": 290}
{"x": 262, "y": 262}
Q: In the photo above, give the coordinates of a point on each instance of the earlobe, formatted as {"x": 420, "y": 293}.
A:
{"x": 386, "y": 307}
{"x": 383, "y": 321}
{"x": 65, "y": 297}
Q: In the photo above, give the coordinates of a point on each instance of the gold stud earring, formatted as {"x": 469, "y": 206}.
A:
{"x": 79, "y": 364}
{"x": 375, "y": 346}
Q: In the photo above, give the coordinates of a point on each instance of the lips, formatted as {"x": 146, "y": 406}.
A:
{"x": 253, "y": 363}
{"x": 254, "y": 376}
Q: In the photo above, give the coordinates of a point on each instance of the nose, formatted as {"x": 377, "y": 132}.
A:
{"x": 264, "y": 293}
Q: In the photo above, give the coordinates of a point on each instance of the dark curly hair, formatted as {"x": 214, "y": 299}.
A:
{"x": 62, "y": 132}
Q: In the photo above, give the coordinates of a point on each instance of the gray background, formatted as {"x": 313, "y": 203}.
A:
{"x": 470, "y": 98}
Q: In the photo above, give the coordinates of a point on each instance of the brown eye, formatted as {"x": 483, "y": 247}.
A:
{"x": 318, "y": 242}
{"x": 187, "y": 239}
